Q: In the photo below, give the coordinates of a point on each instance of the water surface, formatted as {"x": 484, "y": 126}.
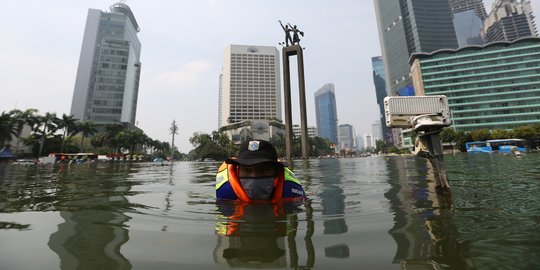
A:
{"x": 368, "y": 213}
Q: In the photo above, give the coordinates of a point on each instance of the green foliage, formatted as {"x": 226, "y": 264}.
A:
{"x": 207, "y": 146}
{"x": 319, "y": 147}
{"x": 502, "y": 134}
{"x": 448, "y": 135}
{"x": 7, "y": 127}
{"x": 480, "y": 134}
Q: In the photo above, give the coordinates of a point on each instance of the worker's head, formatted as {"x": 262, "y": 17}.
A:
{"x": 257, "y": 168}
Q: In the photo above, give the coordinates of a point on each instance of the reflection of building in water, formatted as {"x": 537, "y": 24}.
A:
{"x": 333, "y": 206}
{"x": 408, "y": 230}
{"x": 93, "y": 231}
{"x": 333, "y": 199}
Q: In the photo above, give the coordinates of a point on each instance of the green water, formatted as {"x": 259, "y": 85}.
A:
{"x": 362, "y": 213}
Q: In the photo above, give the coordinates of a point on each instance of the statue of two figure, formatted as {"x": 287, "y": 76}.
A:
{"x": 296, "y": 34}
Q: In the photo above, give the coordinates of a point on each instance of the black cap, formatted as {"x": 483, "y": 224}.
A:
{"x": 255, "y": 152}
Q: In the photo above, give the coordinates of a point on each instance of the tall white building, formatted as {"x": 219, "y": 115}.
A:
{"x": 369, "y": 141}
{"x": 107, "y": 82}
{"x": 250, "y": 87}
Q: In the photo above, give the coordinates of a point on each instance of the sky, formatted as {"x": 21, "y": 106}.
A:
{"x": 182, "y": 54}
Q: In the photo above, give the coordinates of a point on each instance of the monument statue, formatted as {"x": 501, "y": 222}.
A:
{"x": 287, "y": 31}
{"x": 288, "y": 28}
{"x": 296, "y": 31}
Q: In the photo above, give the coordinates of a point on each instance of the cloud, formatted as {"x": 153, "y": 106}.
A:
{"x": 189, "y": 76}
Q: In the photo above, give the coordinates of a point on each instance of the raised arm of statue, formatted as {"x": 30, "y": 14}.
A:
{"x": 287, "y": 31}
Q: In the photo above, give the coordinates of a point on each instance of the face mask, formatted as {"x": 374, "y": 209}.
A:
{"x": 258, "y": 188}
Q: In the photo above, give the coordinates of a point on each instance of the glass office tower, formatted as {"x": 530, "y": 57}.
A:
{"x": 107, "y": 83}
{"x": 468, "y": 18}
{"x": 326, "y": 113}
{"x": 407, "y": 27}
{"x": 380, "y": 90}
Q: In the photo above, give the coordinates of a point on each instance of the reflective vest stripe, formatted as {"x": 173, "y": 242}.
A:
{"x": 221, "y": 178}
{"x": 289, "y": 176}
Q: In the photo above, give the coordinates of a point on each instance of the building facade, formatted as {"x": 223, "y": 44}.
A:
{"x": 250, "y": 86}
{"x": 468, "y": 17}
{"x": 494, "y": 87}
{"x": 380, "y": 91}
{"x": 407, "y": 27}
{"x": 376, "y": 131}
{"x": 346, "y": 137}
{"x": 509, "y": 20}
{"x": 359, "y": 143}
{"x": 107, "y": 82}
{"x": 326, "y": 113}
{"x": 311, "y": 130}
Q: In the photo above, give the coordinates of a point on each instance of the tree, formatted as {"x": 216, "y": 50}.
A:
{"x": 7, "y": 127}
{"x": 221, "y": 139}
{"x": 448, "y": 134}
{"x": 109, "y": 136}
{"x": 461, "y": 139}
{"x": 502, "y": 134}
{"x": 279, "y": 143}
{"x": 130, "y": 139}
{"x": 69, "y": 125}
{"x": 22, "y": 118}
{"x": 380, "y": 146}
{"x": 173, "y": 131}
{"x": 205, "y": 147}
{"x": 319, "y": 147}
{"x": 46, "y": 125}
{"x": 86, "y": 128}
{"x": 480, "y": 135}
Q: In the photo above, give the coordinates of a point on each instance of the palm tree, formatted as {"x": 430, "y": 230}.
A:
{"x": 69, "y": 124}
{"x": 86, "y": 128}
{"x": 20, "y": 119}
{"x": 50, "y": 124}
{"x": 174, "y": 131}
{"x": 7, "y": 127}
{"x": 110, "y": 136}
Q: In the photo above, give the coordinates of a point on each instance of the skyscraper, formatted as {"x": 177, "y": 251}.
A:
{"x": 359, "y": 143}
{"x": 376, "y": 131}
{"x": 380, "y": 90}
{"x": 326, "y": 113}
{"x": 346, "y": 137}
{"x": 509, "y": 20}
{"x": 410, "y": 26}
{"x": 468, "y": 18}
{"x": 249, "y": 85}
{"x": 107, "y": 83}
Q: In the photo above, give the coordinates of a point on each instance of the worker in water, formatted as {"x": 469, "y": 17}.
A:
{"x": 257, "y": 175}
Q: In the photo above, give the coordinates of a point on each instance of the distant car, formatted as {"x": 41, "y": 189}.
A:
{"x": 209, "y": 160}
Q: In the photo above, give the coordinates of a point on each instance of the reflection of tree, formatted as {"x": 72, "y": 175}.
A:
{"x": 93, "y": 231}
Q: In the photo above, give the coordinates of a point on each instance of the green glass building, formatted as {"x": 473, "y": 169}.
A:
{"x": 493, "y": 86}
